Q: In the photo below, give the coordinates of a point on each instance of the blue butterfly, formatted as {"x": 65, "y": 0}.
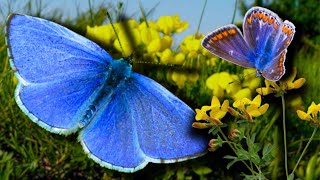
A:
{"x": 263, "y": 46}
{"x": 68, "y": 83}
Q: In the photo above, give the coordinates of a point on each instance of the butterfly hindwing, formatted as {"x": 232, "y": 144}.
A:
{"x": 58, "y": 71}
{"x": 228, "y": 43}
{"x": 275, "y": 69}
{"x": 142, "y": 123}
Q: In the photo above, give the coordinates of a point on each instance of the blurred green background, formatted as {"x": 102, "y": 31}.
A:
{"x": 28, "y": 151}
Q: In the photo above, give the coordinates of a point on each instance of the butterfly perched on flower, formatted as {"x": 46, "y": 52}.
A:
{"x": 67, "y": 84}
{"x": 263, "y": 44}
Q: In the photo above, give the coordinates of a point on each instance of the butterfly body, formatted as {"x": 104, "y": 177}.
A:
{"x": 263, "y": 44}
{"x": 114, "y": 81}
{"x": 67, "y": 83}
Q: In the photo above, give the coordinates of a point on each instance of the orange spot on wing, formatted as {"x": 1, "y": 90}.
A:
{"x": 215, "y": 38}
{"x": 225, "y": 33}
{"x": 281, "y": 62}
{"x": 249, "y": 20}
{"x": 255, "y": 15}
{"x": 231, "y": 31}
{"x": 271, "y": 20}
{"x": 265, "y": 17}
{"x": 220, "y": 36}
{"x": 260, "y": 15}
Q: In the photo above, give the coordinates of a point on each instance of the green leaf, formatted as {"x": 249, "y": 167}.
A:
{"x": 231, "y": 163}
{"x": 220, "y": 141}
{"x": 214, "y": 130}
{"x": 202, "y": 170}
{"x": 267, "y": 153}
{"x": 229, "y": 157}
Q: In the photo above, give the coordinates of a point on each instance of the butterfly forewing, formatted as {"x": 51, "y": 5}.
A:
{"x": 228, "y": 43}
{"x": 58, "y": 71}
{"x": 260, "y": 29}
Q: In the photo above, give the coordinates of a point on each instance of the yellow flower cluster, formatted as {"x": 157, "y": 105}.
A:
{"x": 213, "y": 114}
{"x": 283, "y": 85}
{"x": 248, "y": 109}
{"x": 154, "y": 37}
{"x": 223, "y": 84}
{"x": 312, "y": 114}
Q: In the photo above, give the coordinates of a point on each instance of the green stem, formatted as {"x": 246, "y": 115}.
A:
{"x": 284, "y": 134}
{"x": 204, "y": 7}
{"x": 226, "y": 139}
{"x": 304, "y": 150}
{"x": 234, "y": 11}
{"x": 91, "y": 13}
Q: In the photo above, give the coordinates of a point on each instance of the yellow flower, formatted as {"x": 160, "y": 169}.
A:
{"x": 282, "y": 86}
{"x": 220, "y": 83}
{"x": 171, "y": 24}
{"x": 248, "y": 108}
{"x": 102, "y": 34}
{"x": 212, "y": 61}
{"x": 166, "y": 42}
{"x": 242, "y": 93}
{"x": 211, "y": 114}
{"x": 191, "y": 45}
{"x": 296, "y": 102}
{"x": 179, "y": 58}
{"x": 180, "y": 78}
{"x": 250, "y": 79}
{"x": 128, "y": 45}
{"x": 311, "y": 115}
{"x": 152, "y": 25}
{"x": 166, "y": 56}
{"x": 154, "y": 46}
{"x": 148, "y": 35}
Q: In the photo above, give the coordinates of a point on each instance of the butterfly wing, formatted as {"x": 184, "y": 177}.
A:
{"x": 58, "y": 71}
{"x": 143, "y": 122}
{"x": 228, "y": 43}
{"x": 269, "y": 38}
{"x": 275, "y": 68}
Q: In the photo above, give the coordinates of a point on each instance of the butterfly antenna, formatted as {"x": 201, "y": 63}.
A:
{"x": 115, "y": 32}
{"x": 241, "y": 77}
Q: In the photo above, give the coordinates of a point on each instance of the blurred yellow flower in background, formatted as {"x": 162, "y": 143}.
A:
{"x": 171, "y": 24}
{"x": 250, "y": 79}
{"x": 103, "y": 34}
{"x": 191, "y": 46}
{"x": 221, "y": 82}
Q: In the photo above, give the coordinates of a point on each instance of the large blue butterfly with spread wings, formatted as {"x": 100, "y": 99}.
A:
{"x": 263, "y": 46}
{"x": 67, "y": 83}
